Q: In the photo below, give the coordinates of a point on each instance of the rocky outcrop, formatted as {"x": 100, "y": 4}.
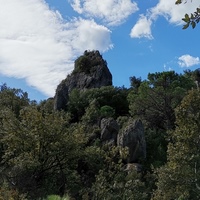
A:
{"x": 90, "y": 71}
{"x": 132, "y": 136}
{"x": 109, "y": 130}
{"x": 62, "y": 96}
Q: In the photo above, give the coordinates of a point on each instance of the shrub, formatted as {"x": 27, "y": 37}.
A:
{"x": 107, "y": 111}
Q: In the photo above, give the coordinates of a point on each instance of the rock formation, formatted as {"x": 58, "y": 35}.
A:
{"x": 109, "y": 130}
{"x": 90, "y": 71}
{"x": 132, "y": 136}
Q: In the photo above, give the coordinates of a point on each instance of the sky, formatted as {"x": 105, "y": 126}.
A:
{"x": 41, "y": 39}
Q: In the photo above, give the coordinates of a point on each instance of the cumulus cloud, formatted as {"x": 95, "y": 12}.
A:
{"x": 166, "y": 8}
{"x": 86, "y": 34}
{"x": 142, "y": 28}
{"x": 173, "y": 13}
{"x": 40, "y": 47}
{"x": 112, "y": 12}
{"x": 188, "y": 61}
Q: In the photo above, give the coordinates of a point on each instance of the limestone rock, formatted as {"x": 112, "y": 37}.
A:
{"x": 132, "y": 136}
{"x": 61, "y": 98}
{"x": 90, "y": 71}
{"x": 109, "y": 130}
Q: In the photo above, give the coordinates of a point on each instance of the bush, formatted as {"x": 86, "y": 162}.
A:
{"x": 107, "y": 111}
{"x": 82, "y": 64}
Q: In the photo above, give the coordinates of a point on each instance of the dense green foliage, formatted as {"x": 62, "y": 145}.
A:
{"x": 179, "y": 178}
{"x": 80, "y": 101}
{"x": 46, "y": 152}
{"x": 154, "y": 102}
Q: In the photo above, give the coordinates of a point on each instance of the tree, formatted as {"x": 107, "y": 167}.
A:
{"x": 115, "y": 97}
{"x": 92, "y": 113}
{"x": 192, "y": 19}
{"x": 154, "y": 102}
{"x": 157, "y": 97}
{"x": 113, "y": 182}
{"x": 180, "y": 177}
{"x": 14, "y": 99}
{"x": 193, "y": 75}
{"x": 135, "y": 82}
{"x": 80, "y": 101}
{"x": 107, "y": 111}
{"x": 40, "y": 152}
{"x": 77, "y": 104}
{"x": 46, "y": 105}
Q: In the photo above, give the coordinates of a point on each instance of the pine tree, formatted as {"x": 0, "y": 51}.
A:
{"x": 180, "y": 177}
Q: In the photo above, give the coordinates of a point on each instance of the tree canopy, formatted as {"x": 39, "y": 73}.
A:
{"x": 179, "y": 178}
{"x": 45, "y": 152}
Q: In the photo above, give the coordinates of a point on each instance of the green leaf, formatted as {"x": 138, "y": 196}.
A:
{"x": 185, "y": 20}
{"x": 186, "y": 26}
{"x": 187, "y": 17}
{"x": 193, "y": 24}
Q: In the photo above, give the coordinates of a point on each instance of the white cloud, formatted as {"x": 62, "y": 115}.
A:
{"x": 166, "y": 8}
{"x": 37, "y": 45}
{"x": 173, "y": 13}
{"x": 142, "y": 28}
{"x": 86, "y": 34}
{"x": 112, "y": 12}
{"x": 188, "y": 61}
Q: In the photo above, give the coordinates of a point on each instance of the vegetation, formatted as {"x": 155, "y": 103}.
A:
{"x": 179, "y": 177}
{"x": 86, "y": 62}
{"x": 190, "y": 19}
{"x": 48, "y": 154}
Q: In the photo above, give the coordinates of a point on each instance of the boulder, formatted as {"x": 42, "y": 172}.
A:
{"x": 109, "y": 131}
{"x": 90, "y": 71}
{"x": 132, "y": 136}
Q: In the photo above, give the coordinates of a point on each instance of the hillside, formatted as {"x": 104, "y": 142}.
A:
{"x": 94, "y": 141}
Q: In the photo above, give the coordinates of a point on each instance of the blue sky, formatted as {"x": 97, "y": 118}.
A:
{"x": 40, "y": 39}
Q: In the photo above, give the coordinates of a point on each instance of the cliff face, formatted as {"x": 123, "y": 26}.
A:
{"x": 131, "y": 136}
{"x": 90, "y": 71}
